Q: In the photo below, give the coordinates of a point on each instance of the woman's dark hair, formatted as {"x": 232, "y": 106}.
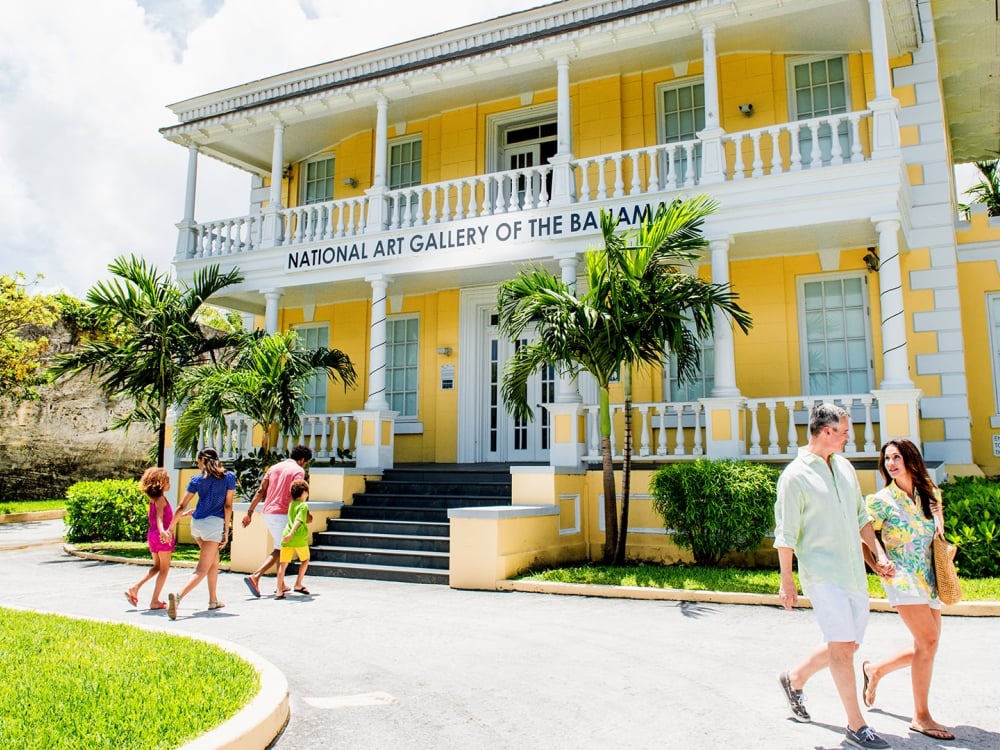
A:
{"x": 154, "y": 480}
{"x": 923, "y": 485}
{"x": 211, "y": 464}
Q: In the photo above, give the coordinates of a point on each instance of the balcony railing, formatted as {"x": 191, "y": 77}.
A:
{"x": 776, "y": 427}
{"x": 332, "y": 435}
{"x": 788, "y": 147}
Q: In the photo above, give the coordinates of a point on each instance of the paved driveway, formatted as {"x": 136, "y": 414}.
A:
{"x": 388, "y": 665}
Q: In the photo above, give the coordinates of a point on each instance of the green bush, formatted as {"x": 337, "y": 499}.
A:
{"x": 109, "y": 510}
{"x": 972, "y": 521}
{"x": 249, "y": 470}
{"x": 715, "y": 507}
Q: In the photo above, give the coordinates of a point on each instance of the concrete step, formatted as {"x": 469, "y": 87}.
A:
{"x": 381, "y": 526}
{"x": 378, "y": 572}
{"x": 380, "y": 556}
{"x": 409, "y": 542}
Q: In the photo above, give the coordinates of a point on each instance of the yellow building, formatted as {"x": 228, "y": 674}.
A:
{"x": 393, "y": 190}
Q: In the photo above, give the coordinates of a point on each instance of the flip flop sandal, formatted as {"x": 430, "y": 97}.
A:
{"x": 865, "y": 684}
{"x": 254, "y": 589}
{"x": 304, "y": 591}
{"x": 933, "y": 732}
{"x": 172, "y": 606}
{"x": 216, "y": 605}
{"x": 158, "y": 605}
{"x": 279, "y": 596}
{"x": 132, "y": 599}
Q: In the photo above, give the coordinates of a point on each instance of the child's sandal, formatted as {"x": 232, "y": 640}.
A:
{"x": 216, "y": 605}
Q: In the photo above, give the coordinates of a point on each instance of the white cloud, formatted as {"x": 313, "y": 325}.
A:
{"x": 84, "y": 88}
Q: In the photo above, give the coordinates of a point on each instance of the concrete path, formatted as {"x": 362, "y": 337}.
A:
{"x": 388, "y": 665}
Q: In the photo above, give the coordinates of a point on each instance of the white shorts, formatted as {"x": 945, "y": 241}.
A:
{"x": 208, "y": 529}
{"x": 276, "y": 523}
{"x": 842, "y": 615}
{"x": 897, "y": 597}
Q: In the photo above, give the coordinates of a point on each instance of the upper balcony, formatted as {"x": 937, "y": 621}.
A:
{"x": 595, "y": 68}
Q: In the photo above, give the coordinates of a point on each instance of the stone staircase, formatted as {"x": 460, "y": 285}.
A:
{"x": 397, "y": 529}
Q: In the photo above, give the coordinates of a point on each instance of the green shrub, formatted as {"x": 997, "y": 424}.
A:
{"x": 972, "y": 521}
{"x": 715, "y": 507}
{"x": 109, "y": 510}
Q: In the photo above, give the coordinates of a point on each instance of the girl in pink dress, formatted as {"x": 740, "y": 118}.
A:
{"x": 155, "y": 482}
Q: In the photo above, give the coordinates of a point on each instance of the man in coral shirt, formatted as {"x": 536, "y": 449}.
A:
{"x": 275, "y": 491}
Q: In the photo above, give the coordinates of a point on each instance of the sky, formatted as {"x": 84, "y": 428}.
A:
{"x": 84, "y": 87}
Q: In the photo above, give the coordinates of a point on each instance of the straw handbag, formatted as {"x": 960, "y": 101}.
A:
{"x": 949, "y": 589}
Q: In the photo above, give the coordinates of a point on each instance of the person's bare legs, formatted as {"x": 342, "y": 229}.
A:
{"x": 924, "y": 625}
{"x": 281, "y": 588}
{"x": 210, "y": 553}
{"x": 842, "y": 671}
{"x": 150, "y": 573}
{"x": 208, "y": 557}
{"x": 817, "y": 660}
{"x": 162, "y": 569}
{"x": 269, "y": 562}
{"x": 303, "y": 564}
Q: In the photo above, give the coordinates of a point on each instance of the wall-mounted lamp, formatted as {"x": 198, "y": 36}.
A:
{"x": 286, "y": 173}
{"x": 746, "y": 109}
{"x": 871, "y": 260}
{"x": 351, "y": 181}
{"x": 444, "y": 351}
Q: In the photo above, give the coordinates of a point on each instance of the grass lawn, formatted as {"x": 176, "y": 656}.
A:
{"x": 699, "y": 578}
{"x": 29, "y": 506}
{"x": 67, "y": 684}
{"x": 140, "y": 550}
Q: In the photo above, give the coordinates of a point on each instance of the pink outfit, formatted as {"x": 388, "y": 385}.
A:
{"x": 153, "y": 535}
{"x": 279, "y": 482}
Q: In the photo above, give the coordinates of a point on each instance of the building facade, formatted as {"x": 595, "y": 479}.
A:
{"x": 393, "y": 190}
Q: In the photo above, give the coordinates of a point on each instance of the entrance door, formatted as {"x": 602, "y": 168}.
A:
{"x": 508, "y": 439}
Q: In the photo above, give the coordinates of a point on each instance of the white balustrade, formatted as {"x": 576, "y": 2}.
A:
{"x": 659, "y": 430}
{"x": 791, "y": 414}
{"x": 330, "y": 436}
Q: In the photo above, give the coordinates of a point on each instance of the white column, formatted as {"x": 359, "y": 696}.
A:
{"x": 885, "y": 108}
{"x": 377, "y": 209}
{"x": 563, "y": 182}
{"x": 277, "y": 157}
{"x": 271, "y": 299}
{"x": 272, "y": 231}
{"x": 713, "y": 156}
{"x": 186, "y": 226}
{"x": 567, "y": 391}
{"x": 725, "y": 355}
{"x": 895, "y": 359}
{"x": 376, "y": 348}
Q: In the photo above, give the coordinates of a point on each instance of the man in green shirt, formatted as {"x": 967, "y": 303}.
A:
{"x": 819, "y": 513}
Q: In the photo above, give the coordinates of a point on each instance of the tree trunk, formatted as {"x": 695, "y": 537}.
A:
{"x": 161, "y": 435}
{"x": 626, "y": 468}
{"x": 610, "y": 504}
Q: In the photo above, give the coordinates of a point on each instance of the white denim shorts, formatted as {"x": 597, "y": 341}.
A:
{"x": 897, "y": 597}
{"x": 842, "y": 615}
{"x": 208, "y": 529}
{"x": 276, "y": 523}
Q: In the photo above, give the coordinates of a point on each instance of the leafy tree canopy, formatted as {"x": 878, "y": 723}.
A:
{"x": 20, "y": 364}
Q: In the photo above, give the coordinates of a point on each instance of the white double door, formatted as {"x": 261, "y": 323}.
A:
{"x": 487, "y": 430}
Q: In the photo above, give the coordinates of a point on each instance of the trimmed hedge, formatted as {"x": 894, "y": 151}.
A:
{"x": 108, "y": 510}
{"x": 714, "y": 507}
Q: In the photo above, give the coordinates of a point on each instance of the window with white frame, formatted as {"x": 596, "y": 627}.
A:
{"x": 314, "y": 337}
{"x": 818, "y": 87}
{"x": 993, "y": 311}
{"x": 835, "y": 335}
{"x": 681, "y": 116}
{"x": 402, "y": 341}
{"x": 405, "y": 165}
{"x": 317, "y": 181}
{"x": 692, "y": 389}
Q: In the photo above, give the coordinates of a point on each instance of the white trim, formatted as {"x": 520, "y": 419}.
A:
{"x": 304, "y": 168}
{"x": 471, "y": 370}
{"x": 993, "y": 319}
{"x": 498, "y": 123}
{"x": 575, "y": 528}
{"x": 792, "y": 62}
{"x": 401, "y": 417}
{"x": 665, "y": 86}
{"x": 659, "y": 530}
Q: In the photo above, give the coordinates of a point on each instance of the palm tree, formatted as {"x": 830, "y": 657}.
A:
{"x": 266, "y": 380}
{"x": 987, "y": 190}
{"x": 638, "y": 305}
{"x": 159, "y": 338}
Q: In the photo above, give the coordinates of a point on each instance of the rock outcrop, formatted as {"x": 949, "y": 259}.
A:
{"x": 66, "y": 436}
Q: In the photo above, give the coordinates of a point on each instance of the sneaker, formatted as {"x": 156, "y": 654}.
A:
{"x": 796, "y": 699}
{"x": 866, "y": 738}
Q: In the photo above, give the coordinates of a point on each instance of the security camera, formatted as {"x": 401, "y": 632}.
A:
{"x": 746, "y": 109}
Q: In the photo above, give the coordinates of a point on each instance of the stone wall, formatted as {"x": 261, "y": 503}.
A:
{"x": 66, "y": 437}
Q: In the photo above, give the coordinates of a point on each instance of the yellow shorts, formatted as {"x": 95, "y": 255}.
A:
{"x": 287, "y": 554}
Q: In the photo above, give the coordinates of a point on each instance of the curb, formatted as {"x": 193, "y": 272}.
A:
{"x": 966, "y": 609}
{"x": 34, "y": 515}
{"x": 257, "y": 724}
{"x": 100, "y": 557}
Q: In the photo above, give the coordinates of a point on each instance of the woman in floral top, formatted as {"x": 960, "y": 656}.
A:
{"x": 908, "y": 513}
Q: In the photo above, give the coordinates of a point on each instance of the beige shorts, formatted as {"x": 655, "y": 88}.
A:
{"x": 276, "y": 523}
{"x": 208, "y": 529}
